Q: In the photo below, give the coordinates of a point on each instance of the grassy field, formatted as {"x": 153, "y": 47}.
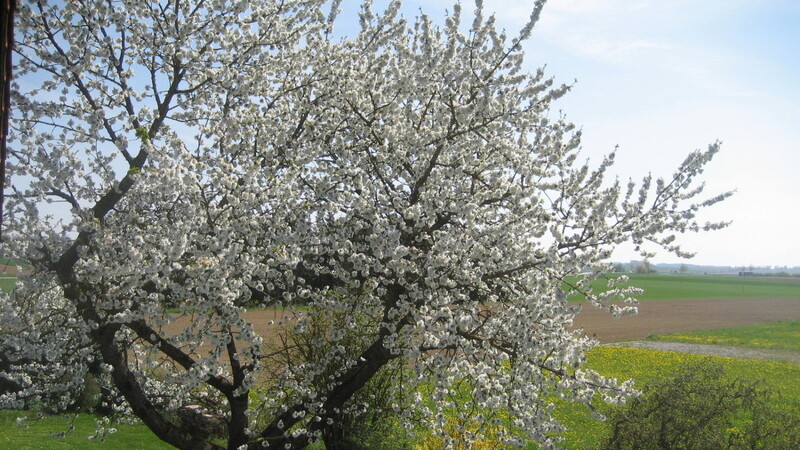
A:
{"x": 675, "y": 287}
{"x": 7, "y": 283}
{"x": 646, "y": 366}
{"x": 679, "y": 287}
{"x": 54, "y": 433}
{"x": 777, "y": 335}
{"x": 623, "y": 363}
{"x": 641, "y": 365}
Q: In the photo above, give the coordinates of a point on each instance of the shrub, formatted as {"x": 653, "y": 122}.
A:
{"x": 702, "y": 407}
{"x": 373, "y": 418}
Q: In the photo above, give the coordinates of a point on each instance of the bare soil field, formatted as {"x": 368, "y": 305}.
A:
{"x": 674, "y": 316}
{"x": 655, "y": 317}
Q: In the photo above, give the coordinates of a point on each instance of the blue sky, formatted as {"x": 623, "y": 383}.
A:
{"x": 662, "y": 78}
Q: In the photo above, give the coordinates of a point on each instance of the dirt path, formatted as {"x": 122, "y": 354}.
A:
{"x": 717, "y": 350}
{"x": 675, "y": 316}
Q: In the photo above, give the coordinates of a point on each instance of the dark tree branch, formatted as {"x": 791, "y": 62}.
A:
{"x": 6, "y": 47}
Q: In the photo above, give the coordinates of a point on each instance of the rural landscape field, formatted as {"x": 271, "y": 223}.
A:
{"x": 754, "y": 316}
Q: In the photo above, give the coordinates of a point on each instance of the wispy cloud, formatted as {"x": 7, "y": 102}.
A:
{"x": 675, "y": 37}
{"x": 611, "y": 30}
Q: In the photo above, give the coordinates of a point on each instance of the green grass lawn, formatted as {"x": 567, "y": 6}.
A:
{"x": 680, "y": 287}
{"x": 776, "y": 335}
{"x": 37, "y": 434}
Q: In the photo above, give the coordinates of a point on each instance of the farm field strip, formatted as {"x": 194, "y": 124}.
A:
{"x": 683, "y": 316}
{"x": 7, "y": 283}
{"x": 765, "y": 354}
{"x": 667, "y": 286}
{"x": 684, "y": 287}
{"x": 783, "y": 335}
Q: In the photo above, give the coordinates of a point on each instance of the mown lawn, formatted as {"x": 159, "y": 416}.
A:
{"x": 685, "y": 287}
{"x": 777, "y": 335}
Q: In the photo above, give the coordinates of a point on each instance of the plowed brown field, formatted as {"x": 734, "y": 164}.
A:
{"x": 673, "y": 316}
{"x": 655, "y": 317}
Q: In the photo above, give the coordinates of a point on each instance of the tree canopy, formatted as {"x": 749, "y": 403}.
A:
{"x": 405, "y": 193}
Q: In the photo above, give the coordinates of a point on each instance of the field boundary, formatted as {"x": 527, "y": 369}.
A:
{"x": 716, "y": 350}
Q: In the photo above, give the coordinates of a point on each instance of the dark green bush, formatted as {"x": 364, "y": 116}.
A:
{"x": 702, "y": 407}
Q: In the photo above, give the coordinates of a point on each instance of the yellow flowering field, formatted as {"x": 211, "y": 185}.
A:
{"x": 644, "y": 366}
